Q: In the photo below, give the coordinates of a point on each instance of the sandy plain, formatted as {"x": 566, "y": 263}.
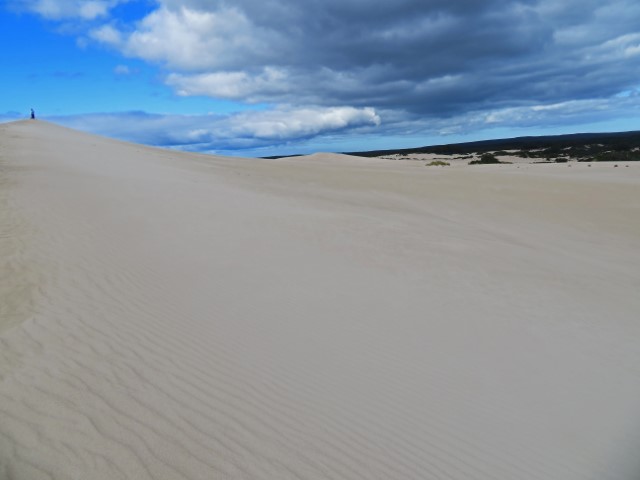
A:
{"x": 168, "y": 315}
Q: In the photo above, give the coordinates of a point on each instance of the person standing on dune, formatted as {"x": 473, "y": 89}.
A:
{"x": 33, "y": 114}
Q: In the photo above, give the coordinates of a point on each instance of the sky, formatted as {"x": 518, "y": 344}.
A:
{"x": 277, "y": 77}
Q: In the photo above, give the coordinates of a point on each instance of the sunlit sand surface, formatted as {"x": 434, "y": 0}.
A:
{"x": 176, "y": 316}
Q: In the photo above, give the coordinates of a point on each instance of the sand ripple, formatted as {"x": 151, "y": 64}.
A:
{"x": 169, "y": 316}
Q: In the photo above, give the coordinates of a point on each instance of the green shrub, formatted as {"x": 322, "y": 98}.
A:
{"x": 438, "y": 163}
{"x": 618, "y": 156}
{"x": 485, "y": 159}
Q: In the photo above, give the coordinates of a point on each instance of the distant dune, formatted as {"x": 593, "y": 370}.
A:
{"x": 177, "y": 316}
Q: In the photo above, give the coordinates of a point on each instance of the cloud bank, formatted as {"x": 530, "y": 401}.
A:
{"x": 438, "y": 65}
{"x": 286, "y": 130}
{"x": 433, "y": 57}
{"x": 227, "y": 133}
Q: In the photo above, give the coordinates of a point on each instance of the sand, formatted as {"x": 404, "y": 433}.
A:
{"x": 177, "y": 316}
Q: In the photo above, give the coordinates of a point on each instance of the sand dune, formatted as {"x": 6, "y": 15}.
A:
{"x": 178, "y": 316}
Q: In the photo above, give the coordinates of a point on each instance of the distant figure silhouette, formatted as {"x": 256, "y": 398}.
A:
{"x": 33, "y": 114}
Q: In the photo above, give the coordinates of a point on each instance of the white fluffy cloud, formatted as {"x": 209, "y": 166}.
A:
{"x": 189, "y": 39}
{"x": 285, "y": 124}
{"x": 106, "y": 34}
{"x": 237, "y": 85}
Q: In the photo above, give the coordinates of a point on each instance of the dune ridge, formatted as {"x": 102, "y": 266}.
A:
{"x": 177, "y": 316}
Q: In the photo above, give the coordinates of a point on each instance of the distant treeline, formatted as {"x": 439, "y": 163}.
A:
{"x": 620, "y": 146}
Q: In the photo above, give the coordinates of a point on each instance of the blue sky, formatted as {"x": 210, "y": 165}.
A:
{"x": 274, "y": 77}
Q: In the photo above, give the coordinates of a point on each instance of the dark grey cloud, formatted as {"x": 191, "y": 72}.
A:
{"x": 433, "y": 57}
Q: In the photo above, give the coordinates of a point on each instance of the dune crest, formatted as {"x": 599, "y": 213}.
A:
{"x": 177, "y": 316}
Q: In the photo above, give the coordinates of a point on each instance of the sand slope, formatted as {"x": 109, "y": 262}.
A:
{"x": 175, "y": 316}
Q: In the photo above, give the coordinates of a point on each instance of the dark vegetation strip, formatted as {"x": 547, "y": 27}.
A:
{"x": 587, "y": 147}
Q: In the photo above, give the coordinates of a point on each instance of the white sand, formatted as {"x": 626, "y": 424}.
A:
{"x": 175, "y": 316}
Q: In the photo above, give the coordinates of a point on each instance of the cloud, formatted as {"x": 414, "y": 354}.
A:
{"x": 190, "y": 39}
{"x": 12, "y": 116}
{"x": 285, "y": 124}
{"x": 237, "y": 85}
{"x": 418, "y": 65}
{"x": 227, "y": 133}
{"x": 567, "y": 115}
{"x": 61, "y": 9}
{"x": 106, "y": 34}
{"x": 292, "y": 130}
{"x": 122, "y": 70}
{"x": 433, "y": 57}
